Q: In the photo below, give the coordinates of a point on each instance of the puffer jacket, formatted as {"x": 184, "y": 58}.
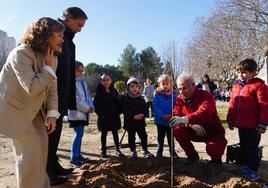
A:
{"x": 132, "y": 107}
{"x": 248, "y": 106}
{"x": 162, "y": 105}
{"x": 83, "y": 103}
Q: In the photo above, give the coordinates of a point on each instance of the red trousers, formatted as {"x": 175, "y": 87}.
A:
{"x": 215, "y": 144}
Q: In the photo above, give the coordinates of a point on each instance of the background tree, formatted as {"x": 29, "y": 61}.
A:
{"x": 236, "y": 30}
{"x": 172, "y": 59}
{"x": 93, "y": 72}
{"x": 150, "y": 66}
{"x": 128, "y": 61}
{"x": 120, "y": 86}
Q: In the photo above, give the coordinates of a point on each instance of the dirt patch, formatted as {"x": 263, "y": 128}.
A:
{"x": 116, "y": 172}
{"x": 149, "y": 173}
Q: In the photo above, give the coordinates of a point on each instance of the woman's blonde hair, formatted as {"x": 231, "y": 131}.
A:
{"x": 164, "y": 78}
{"x": 37, "y": 34}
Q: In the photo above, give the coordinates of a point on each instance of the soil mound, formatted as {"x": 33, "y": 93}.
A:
{"x": 155, "y": 173}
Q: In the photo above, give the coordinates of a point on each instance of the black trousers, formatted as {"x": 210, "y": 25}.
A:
{"x": 163, "y": 131}
{"x": 150, "y": 106}
{"x": 104, "y": 137}
{"x": 53, "y": 143}
{"x": 249, "y": 152}
{"x": 132, "y": 139}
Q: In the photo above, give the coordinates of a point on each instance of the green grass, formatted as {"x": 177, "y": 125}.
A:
{"x": 222, "y": 109}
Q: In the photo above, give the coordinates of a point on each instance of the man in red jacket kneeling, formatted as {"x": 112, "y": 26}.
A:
{"x": 196, "y": 119}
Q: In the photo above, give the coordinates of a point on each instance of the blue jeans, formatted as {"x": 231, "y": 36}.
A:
{"x": 77, "y": 141}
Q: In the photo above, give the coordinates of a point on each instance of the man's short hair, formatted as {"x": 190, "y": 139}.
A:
{"x": 248, "y": 64}
{"x": 74, "y": 13}
{"x": 185, "y": 78}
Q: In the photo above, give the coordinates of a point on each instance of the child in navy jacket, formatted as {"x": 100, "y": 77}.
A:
{"x": 135, "y": 110}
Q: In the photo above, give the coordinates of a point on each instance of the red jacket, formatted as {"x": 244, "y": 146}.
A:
{"x": 248, "y": 104}
{"x": 200, "y": 110}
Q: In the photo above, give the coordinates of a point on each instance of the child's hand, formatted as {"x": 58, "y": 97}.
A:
{"x": 138, "y": 116}
{"x": 166, "y": 117}
{"x": 260, "y": 130}
{"x": 231, "y": 127}
{"x": 89, "y": 110}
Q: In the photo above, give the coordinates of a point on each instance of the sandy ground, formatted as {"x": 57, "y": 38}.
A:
{"x": 115, "y": 172}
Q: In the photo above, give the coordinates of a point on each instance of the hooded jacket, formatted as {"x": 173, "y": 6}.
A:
{"x": 83, "y": 102}
{"x": 248, "y": 106}
{"x": 162, "y": 104}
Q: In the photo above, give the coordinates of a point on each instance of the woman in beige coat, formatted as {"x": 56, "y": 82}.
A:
{"x": 28, "y": 99}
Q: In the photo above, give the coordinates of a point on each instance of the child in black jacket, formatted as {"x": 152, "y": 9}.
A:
{"x": 108, "y": 110}
{"x": 135, "y": 110}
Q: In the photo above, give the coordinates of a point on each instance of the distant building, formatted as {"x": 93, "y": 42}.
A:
{"x": 263, "y": 73}
{"x": 6, "y": 45}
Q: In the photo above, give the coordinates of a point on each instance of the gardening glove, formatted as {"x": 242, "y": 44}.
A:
{"x": 198, "y": 129}
{"x": 178, "y": 121}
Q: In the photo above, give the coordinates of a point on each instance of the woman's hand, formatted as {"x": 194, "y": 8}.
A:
{"x": 51, "y": 124}
{"x": 49, "y": 58}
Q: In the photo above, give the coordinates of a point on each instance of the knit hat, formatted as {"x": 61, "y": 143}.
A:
{"x": 132, "y": 79}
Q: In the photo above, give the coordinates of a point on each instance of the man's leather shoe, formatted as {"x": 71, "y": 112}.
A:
{"x": 57, "y": 180}
{"x": 59, "y": 170}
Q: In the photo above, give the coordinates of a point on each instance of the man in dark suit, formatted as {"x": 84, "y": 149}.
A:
{"x": 74, "y": 20}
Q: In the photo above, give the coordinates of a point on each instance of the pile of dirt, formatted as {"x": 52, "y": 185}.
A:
{"x": 119, "y": 173}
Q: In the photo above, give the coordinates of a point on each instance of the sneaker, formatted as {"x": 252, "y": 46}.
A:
{"x": 251, "y": 174}
{"x": 239, "y": 171}
{"x": 159, "y": 155}
{"x": 134, "y": 155}
{"x": 103, "y": 155}
{"x": 118, "y": 153}
{"x": 148, "y": 155}
{"x": 76, "y": 163}
{"x": 82, "y": 159}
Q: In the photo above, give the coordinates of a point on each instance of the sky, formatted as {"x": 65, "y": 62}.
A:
{"x": 112, "y": 24}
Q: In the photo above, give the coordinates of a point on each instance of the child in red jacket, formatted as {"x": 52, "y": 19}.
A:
{"x": 248, "y": 109}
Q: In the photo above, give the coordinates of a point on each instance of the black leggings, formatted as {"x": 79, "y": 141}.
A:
{"x": 103, "y": 140}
